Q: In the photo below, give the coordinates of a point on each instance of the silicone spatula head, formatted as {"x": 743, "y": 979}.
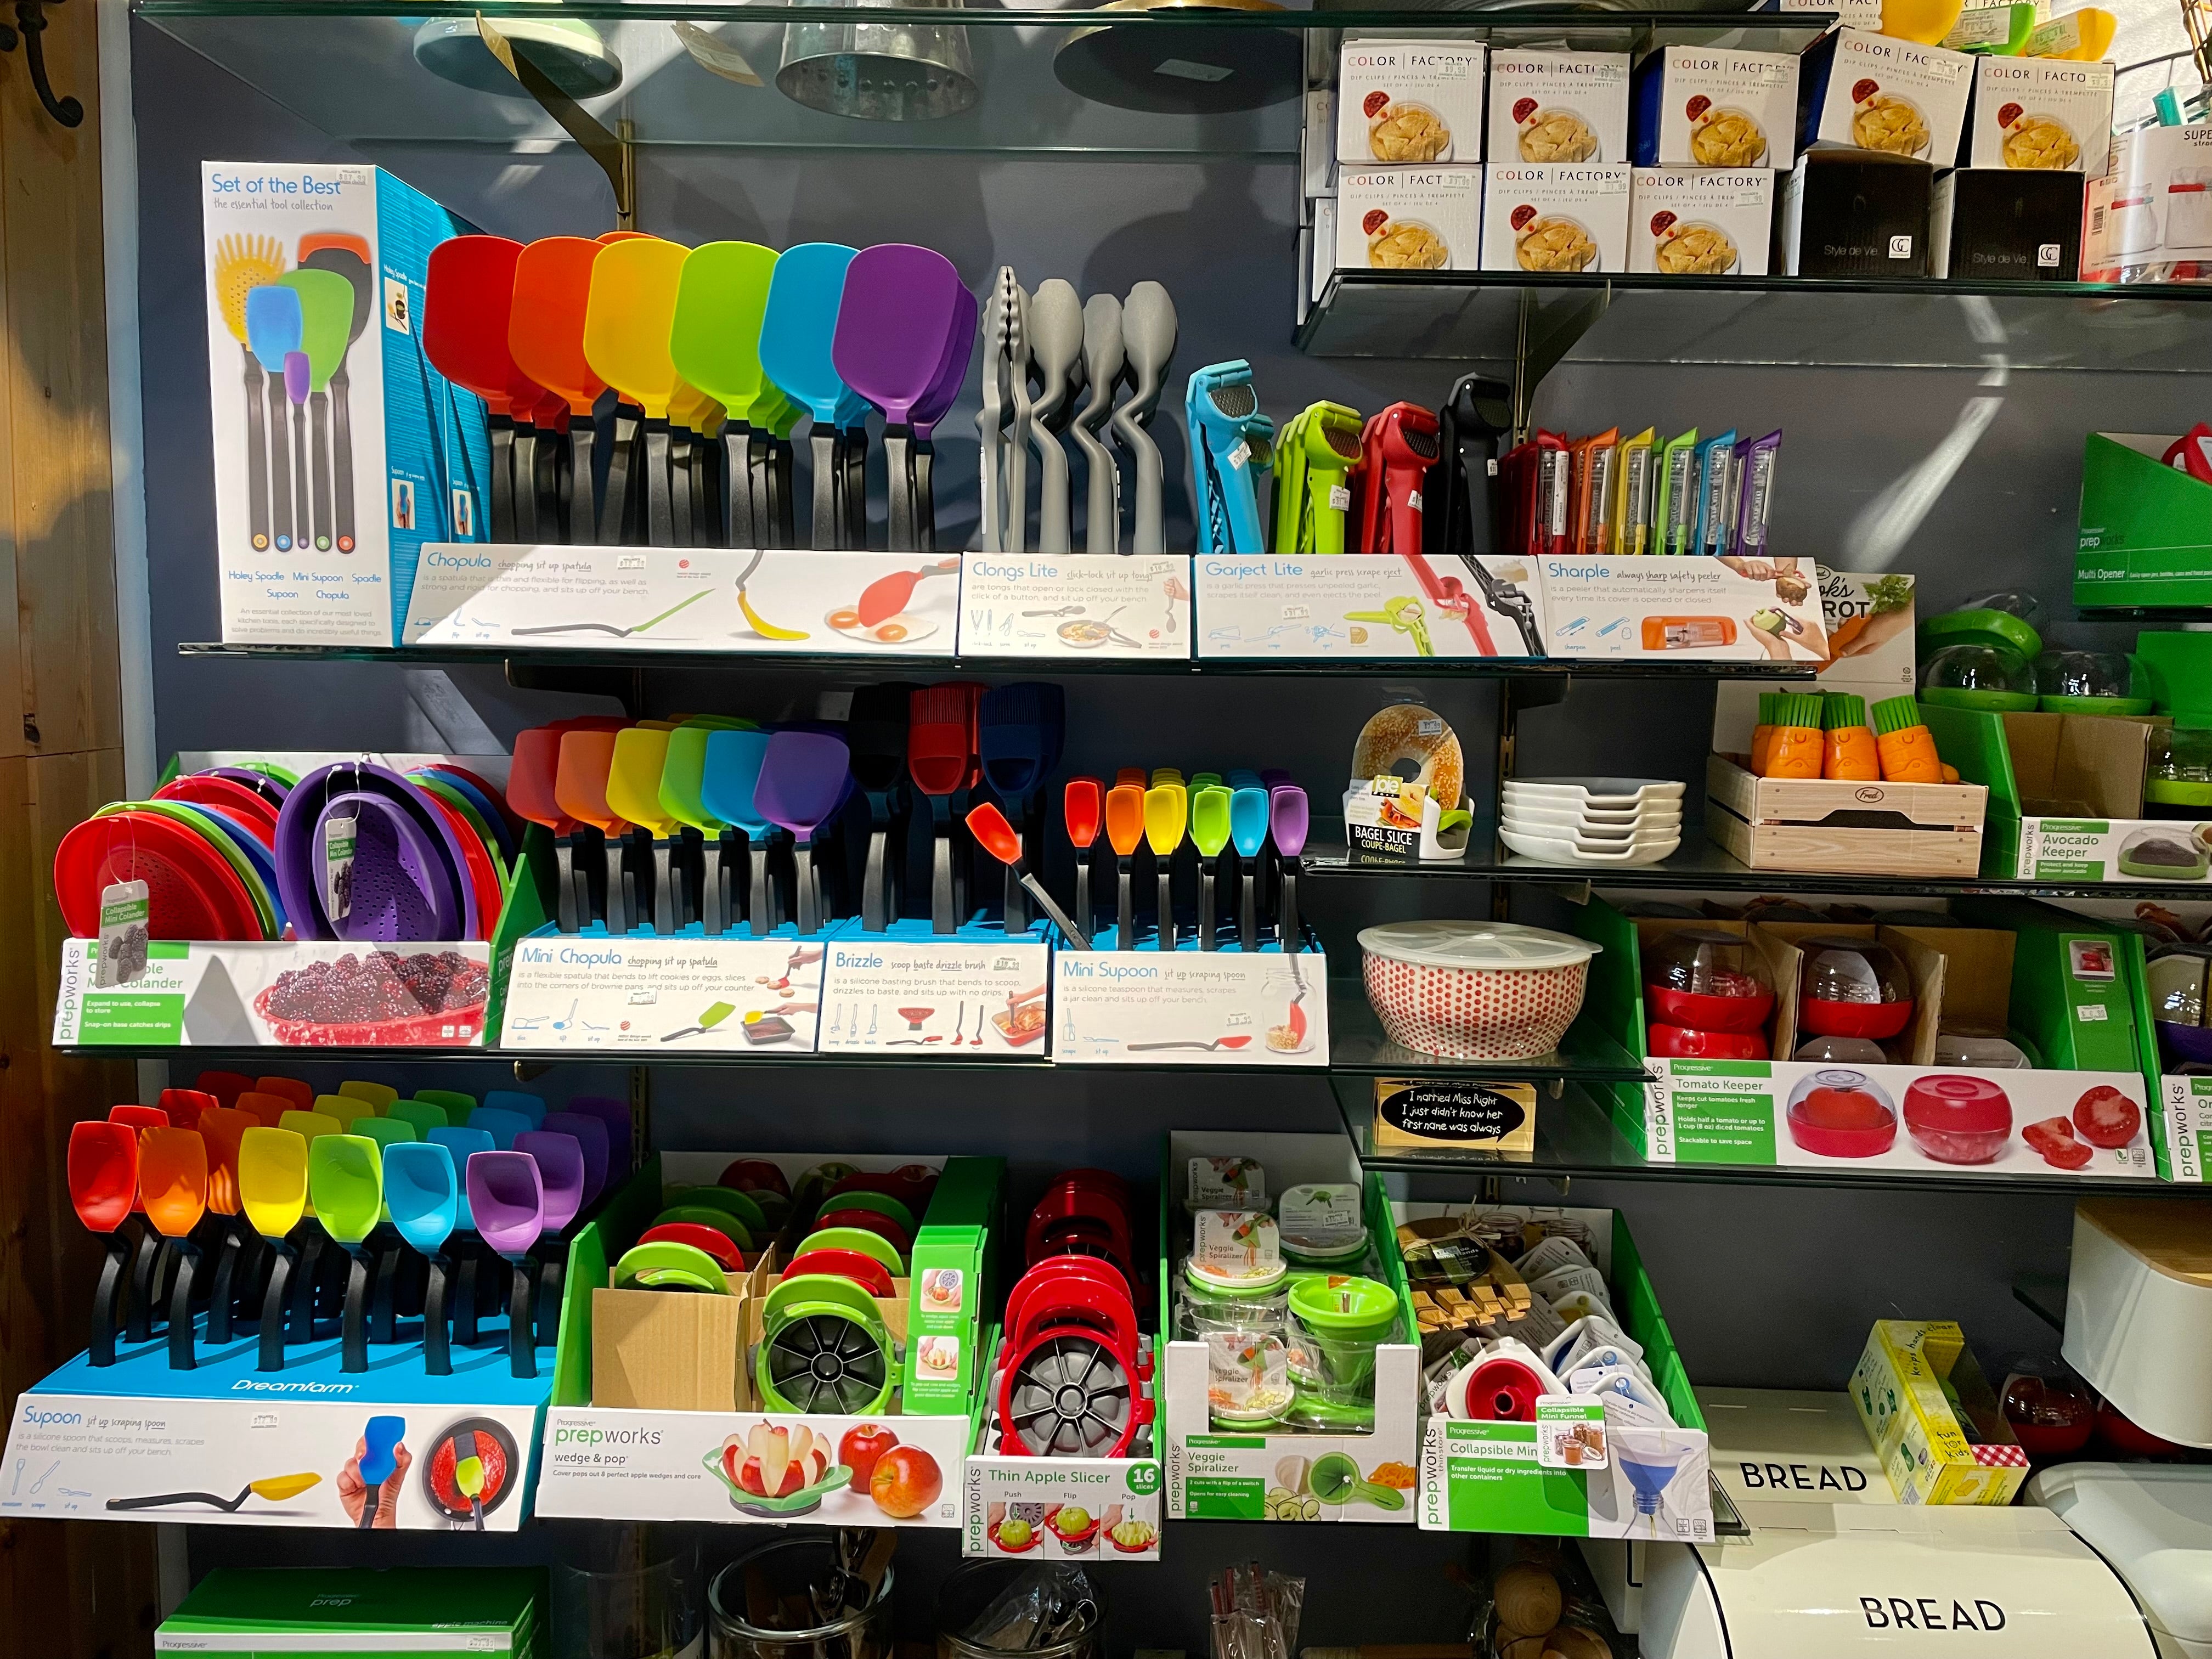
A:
{"x": 1248, "y": 821}
{"x": 278, "y": 1487}
{"x": 421, "y": 1115}
{"x": 952, "y": 367}
{"x": 184, "y": 1106}
{"x": 545, "y": 327}
{"x": 347, "y": 256}
{"x": 463, "y": 1145}
{"x": 522, "y": 1101}
{"x": 800, "y": 323}
{"x": 242, "y": 264}
{"x": 1125, "y": 817}
{"x": 683, "y": 776}
{"x": 224, "y": 1128}
{"x": 1083, "y": 803}
{"x": 1135, "y": 774}
{"x": 994, "y": 833}
{"x": 380, "y": 1444}
{"x": 326, "y": 320}
{"x": 899, "y": 305}
{"x": 626, "y": 323}
{"x": 267, "y": 1109}
{"x": 614, "y": 1112}
{"x": 423, "y": 1193}
{"x": 298, "y": 376}
{"x": 385, "y": 1131}
{"x": 310, "y": 1127}
{"x": 468, "y": 294}
{"x": 274, "y": 324}
{"x": 714, "y": 338}
{"x": 560, "y": 1174}
{"x": 290, "y": 1088}
{"x": 345, "y": 1183}
{"x": 733, "y": 774}
{"x": 1167, "y": 815}
{"x": 225, "y": 1086}
{"x": 1209, "y": 819}
{"x": 502, "y": 1125}
{"x": 1288, "y": 808}
{"x": 103, "y": 1173}
{"x": 633, "y": 780}
{"x": 140, "y": 1119}
{"x": 531, "y": 776}
{"x": 803, "y": 776}
{"x": 469, "y": 1477}
{"x": 591, "y": 1135}
{"x": 580, "y": 786}
{"x": 272, "y": 1180}
{"x": 508, "y": 1198}
{"x": 344, "y": 1109}
{"x": 172, "y": 1174}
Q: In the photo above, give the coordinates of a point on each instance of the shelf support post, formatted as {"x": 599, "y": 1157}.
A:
{"x": 614, "y": 152}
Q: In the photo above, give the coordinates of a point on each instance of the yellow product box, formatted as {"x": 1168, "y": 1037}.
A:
{"x": 1932, "y": 1417}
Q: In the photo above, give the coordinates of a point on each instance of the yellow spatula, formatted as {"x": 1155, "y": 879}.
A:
{"x": 1167, "y": 814}
{"x": 626, "y": 332}
{"x": 634, "y": 790}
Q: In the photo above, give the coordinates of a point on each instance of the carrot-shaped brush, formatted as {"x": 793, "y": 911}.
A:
{"x": 1083, "y": 803}
{"x": 989, "y": 827}
{"x": 1125, "y": 830}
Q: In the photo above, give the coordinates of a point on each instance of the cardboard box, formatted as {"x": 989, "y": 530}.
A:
{"x": 2146, "y": 528}
{"x": 2188, "y": 1106}
{"x": 1552, "y": 107}
{"x": 1700, "y": 222}
{"x": 1710, "y": 106}
{"x": 1320, "y": 250}
{"x": 1931, "y": 1456}
{"x": 1868, "y": 91}
{"x": 1317, "y": 144}
{"x": 2006, "y": 226}
{"x": 2041, "y": 113}
{"x": 2158, "y": 222}
{"x": 1409, "y": 103}
{"x": 1490, "y": 1476}
{"x": 1816, "y": 824}
{"x": 1854, "y": 213}
{"x": 236, "y": 1613}
{"x": 1409, "y": 219}
{"x": 1554, "y": 218}
{"x": 323, "y": 507}
{"x": 1245, "y": 1475}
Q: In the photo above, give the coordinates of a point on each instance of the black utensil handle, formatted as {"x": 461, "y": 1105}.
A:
{"x": 565, "y": 882}
{"x": 342, "y": 458}
{"x": 1126, "y": 921}
{"x": 738, "y": 485}
{"x": 1248, "y": 914}
{"x": 273, "y": 1299}
{"x": 353, "y": 1325}
{"x": 941, "y": 919}
{"x": 547, "y": 1294}
{"x": 502, "y": 430}
{"x": 1205, "y": 907}
{"x": 1083, "y": 912}
{"x": 521, "y": 1345}
{"x": 256, "y": 458}
{"x": 527, "y": 527}
{"x": 220, "y": 1295}
{"x": 466, "y": 1292}
{"x": 139, "y": 1323}
{"x": 384, "y": 1291}
{"x": 319, "y": 411}
{"x": 783, "y": 491}
{"x": 163, "y": 1500}
{"x": 855, "y": 452}
{"x": 665, "y": 919}
{"x": 614, "y": 511}
{"x": 925, "y": 492}
{"x": 873, "y": 920}
{"x": 583, "y": 487}
{"x": 660, "y": 510}
{"x": 280, "y": 460}
{"x": 108, "y": 1296}
{"x": 898, "y": 489}
{"x": 181, "y": 1357}
{"x": 760, "y": 909}
{"x": 1167, "y": 907}
{"x": 1292, "y": 939}
{"x": 1014, "y": 901}
{"x": 810, "y": 894}
{"x": 822, "y": 441}
{"x": 437, "y": 1350}
{"x": 617, "y": 910}
{"x": 683, "y": 503}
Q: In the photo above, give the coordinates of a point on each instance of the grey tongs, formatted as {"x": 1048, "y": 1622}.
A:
{"x": 1004, "y": 460}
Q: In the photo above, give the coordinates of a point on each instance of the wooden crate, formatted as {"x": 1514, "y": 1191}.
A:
{"x": 1849, "y": 829}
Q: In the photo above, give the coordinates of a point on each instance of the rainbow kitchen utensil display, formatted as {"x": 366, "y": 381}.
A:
{"x": 715, "y": 339}
{"x": 728, "y": 785}
{"x": 1125, "y": 832}
{"x": 1167, "y": 816}
{"x": 173, "y": 1178}
{"x": 580, "y": 786}
{"x": 506, "y": 1197}
{"x": 103, "y": 1182}
{"x": 633, "y": 773}
{"x": 223, "y": 1130}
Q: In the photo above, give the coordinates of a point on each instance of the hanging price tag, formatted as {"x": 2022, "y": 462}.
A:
{"x": 337, "y": 867}
{"x": 123, "y": 909}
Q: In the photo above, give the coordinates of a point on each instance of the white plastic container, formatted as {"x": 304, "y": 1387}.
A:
{"x": 2139, "y": 1311}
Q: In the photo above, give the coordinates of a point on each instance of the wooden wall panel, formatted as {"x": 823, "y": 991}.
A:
{"x": 82, "y": 1589}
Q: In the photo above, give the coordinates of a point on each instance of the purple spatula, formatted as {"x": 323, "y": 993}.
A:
{"x": 590, "y": 1133}
{"x": 944, "y": 392}
{"x": 614, "y": 1112}
{"x": 804, "y": 778}
{"x": 899, "y": 306}
{"x": 1287, "y": 825}
{"x": 562, "y": 1175}
{"x": 507, "y": 1196}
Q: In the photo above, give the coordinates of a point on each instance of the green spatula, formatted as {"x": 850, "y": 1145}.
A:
{"x": 1209, "y": 831}
{"x": 326, "y": 312}
{"x": 714, "y": 340}
{"x": 681, "y": 776}
{"x": 345, "y": 1180}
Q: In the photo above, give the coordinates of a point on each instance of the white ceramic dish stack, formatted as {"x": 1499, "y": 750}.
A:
{"x": 1596, "y": 821}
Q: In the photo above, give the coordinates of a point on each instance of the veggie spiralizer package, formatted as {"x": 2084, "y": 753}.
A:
{"x": 340, "y": 453}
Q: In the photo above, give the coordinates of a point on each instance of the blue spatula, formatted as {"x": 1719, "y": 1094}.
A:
{"x": 1248, "y": 834}
{"x": 726, "y": 784}
{"x": 274, "y": 323}
{"x": 797, "y": 331}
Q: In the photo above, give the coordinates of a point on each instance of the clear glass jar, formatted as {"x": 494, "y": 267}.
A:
{"x": 2179, "y": 783}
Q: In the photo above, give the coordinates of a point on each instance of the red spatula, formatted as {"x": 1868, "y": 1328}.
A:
{"x": 941, "y": 747}
{"x": 545, "y": 335}
{"x": 989, "y": 826}
{"x": 530, "y": 791}
{"x": 103, "y": 1183}
{"x": 1083, "y": 807}
{"x": 468, "y": 296}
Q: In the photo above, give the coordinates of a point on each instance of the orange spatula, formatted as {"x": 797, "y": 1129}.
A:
{"x": 580, "y": 786}
{"x": 545, "y": 335}
{"x": 1125, "y": 830}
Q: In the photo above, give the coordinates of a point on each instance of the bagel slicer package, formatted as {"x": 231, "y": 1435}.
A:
{"x": 1558, "y": 106}
{"x": 1700, "y": 222}
{"x": 1705, "y": 106}
{"x": 1566, "y": 218}
{"x": 2041, "y": 113}
{"x": 1409, "y": 103}
{"x": 1409, "y": 219}
{"x": 1866, "y": 91}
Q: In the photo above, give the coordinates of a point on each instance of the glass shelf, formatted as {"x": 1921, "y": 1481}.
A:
{"x": 1699, "y": 866}
{"x": 1575, "y": 1137}
{"x": 1788, "y": 321}
{"x": 876, "y": 666}
{"x": 348, "y": 67}
{"x": 1357, "y": 1048}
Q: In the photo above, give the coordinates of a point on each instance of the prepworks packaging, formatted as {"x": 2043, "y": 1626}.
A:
{"x": 339, "y": 452}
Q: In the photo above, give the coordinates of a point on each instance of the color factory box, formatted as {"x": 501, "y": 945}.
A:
{"x": 339, "y": 451}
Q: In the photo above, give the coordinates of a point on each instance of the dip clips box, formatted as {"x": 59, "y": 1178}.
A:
{"x": 1700, "y": 222}
{"x": 1866, "y": 91}
{"x": 1409, "y": 219}
{"x": 1705, "y": 106}
{"x": 1556, "y": 218}
{"x": 2041, "y": 113}
{"x": 1409, "y": 103}
{"x": 1558, "y": 106}
{"x": 339, "y": 452}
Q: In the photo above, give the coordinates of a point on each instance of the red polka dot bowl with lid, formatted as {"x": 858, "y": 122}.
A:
{"x": 1474, "y": 990}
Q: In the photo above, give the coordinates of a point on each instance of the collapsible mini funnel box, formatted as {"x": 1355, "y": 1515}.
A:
{"x": 324, "y": 507}
{"x": 2066, "y": 990}
{"x": 1534, "y": 1472}
{"x": 1272, "y": 1474}
{"x": 679, "y": 1403}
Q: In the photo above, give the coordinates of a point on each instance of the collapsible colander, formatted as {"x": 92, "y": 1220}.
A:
{"x": 1070, "y": 1379}
{"x": 824, "y": 1347}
